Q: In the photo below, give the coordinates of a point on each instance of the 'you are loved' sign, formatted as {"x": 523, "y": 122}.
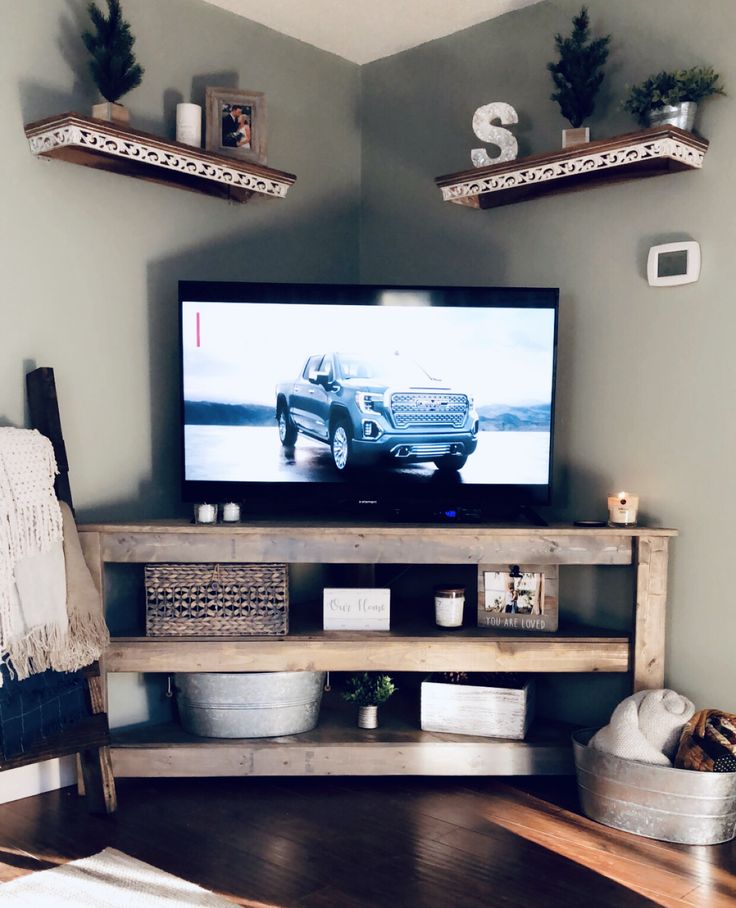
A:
{"x": 357, "y": 609}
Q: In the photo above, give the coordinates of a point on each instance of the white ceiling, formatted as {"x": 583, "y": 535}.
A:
{"x": 365, "y": 30}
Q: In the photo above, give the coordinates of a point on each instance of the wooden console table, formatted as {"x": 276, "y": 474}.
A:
{"x": 336, "y": 746}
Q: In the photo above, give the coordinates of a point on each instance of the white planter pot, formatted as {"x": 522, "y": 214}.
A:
{"x": 367, "y": 717}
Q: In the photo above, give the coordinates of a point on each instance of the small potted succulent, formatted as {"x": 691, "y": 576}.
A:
{"x": 113, "y": 64}
{"x": 368, "y": 691}
{"x": 577, "y": 76}
{"x": 672, "y": 97}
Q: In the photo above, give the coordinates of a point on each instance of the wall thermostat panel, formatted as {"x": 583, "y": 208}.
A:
{"x": 672, "y": 264}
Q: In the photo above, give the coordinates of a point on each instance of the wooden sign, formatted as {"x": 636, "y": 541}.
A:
{"x": 356, "y": 609}
{"x": 518, "y": 597}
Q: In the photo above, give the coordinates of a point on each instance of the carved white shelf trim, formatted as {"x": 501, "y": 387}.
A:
{"x": 87, "y": 141}
{"x": 658, "y": 150}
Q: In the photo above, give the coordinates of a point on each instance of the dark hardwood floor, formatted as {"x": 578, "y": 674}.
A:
{"x": 354, "y": 843}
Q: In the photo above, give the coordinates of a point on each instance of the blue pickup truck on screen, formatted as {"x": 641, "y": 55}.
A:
{"x": 377, "y": 410}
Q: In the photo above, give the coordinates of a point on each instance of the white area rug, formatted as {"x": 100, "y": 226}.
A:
{"x": 109, "y": 879}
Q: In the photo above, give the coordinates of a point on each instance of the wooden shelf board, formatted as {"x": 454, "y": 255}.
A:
{"x": 356, "y": 543}
{"x": 328, "y": 526}
{"x": 107, "y": 146}
{"x": 649, "y": 152}
{"x": 466, "y": 649}
{"x": 338, "y": 747}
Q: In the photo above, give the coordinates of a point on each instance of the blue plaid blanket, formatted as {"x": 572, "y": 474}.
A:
{"x": 39, "y": 708}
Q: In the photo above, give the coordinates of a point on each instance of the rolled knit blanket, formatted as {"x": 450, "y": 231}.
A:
{"x": 645, "y": 727}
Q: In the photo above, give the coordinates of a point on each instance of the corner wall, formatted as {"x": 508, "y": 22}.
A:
{"x": 645, "y": 375}
{"x": 91, "y": 260}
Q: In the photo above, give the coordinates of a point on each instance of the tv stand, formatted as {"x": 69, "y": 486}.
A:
{"x": 398, "y": 746}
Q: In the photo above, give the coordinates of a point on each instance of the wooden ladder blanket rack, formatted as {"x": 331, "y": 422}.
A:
{"x": 88, "y": 738}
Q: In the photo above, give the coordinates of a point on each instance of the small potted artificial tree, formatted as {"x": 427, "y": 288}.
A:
{"x": 368, "y": 691}
{"x": 672, "y": 97}
{"x": 113, "y": 64}
{"x": 577, "y": 76}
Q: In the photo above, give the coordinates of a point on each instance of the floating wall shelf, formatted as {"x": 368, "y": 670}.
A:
{"x": 661, "y": 149}
{"x": 107, "y": 146}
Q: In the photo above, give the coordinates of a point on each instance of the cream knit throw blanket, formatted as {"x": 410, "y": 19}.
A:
{"x": 50, "y": 610}
{"x": 645, "y": 727}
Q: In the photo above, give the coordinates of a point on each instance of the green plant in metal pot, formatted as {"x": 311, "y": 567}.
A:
{"x": 368, "y": 691}
{"x": 653, "y": 100}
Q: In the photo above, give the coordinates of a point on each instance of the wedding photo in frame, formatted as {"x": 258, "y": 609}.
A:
{"x": 236, "y": 123}
{"x": 518, "y": 597}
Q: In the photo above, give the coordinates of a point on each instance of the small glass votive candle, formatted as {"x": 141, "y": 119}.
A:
{"x": 448, "y": 606}
{"x": 231, "y": 512}
{"x": 205, "y": 513}
{"x": 622, "y": 509}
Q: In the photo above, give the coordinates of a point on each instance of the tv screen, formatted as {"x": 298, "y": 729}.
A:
{"x": 314, "y": 397}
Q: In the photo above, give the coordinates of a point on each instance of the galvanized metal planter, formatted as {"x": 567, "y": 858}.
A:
{"x": 659, "y": 802}
{"x": 249, "y": 704}
{"x": 682, "y": 115}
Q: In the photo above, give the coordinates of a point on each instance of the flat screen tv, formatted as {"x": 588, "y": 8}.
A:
{"x": 424, "y": 402}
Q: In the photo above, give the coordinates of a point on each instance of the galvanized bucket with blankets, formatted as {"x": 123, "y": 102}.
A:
{"x": 661, "y": 770}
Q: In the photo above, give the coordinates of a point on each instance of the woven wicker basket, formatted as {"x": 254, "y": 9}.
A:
{"x": 216, "y": 600}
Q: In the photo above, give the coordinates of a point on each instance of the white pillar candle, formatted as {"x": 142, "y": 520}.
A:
{"x": 189, "y": 124}
{"x": 622, "y": 509}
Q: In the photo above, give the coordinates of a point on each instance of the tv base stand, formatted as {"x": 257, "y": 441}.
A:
{"x": 398, "y": 746}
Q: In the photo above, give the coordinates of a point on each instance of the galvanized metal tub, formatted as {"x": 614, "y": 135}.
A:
{"x": 249, "y": 704}
{"x": 682, "y": 115}
{"x": 659, "y": 802}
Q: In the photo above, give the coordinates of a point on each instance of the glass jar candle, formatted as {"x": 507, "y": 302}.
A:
{"x": 231, "y": 512}
{"x": 622, "y": 509}
{"x": 448, "y": 606}
{"x": 205, "y": 513}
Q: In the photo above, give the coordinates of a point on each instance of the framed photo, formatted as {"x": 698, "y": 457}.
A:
{"x": 514, "y": 597}
{"x": 236, "y": 123}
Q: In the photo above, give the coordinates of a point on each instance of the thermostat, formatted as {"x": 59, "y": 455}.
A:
{"x": 673, "y": 263}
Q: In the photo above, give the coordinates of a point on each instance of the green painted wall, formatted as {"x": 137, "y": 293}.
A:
{"x": 91, "y": 260}
{"x": 646, "y": 375}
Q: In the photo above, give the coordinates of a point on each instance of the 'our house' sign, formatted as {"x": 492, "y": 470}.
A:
{"x": 357, "y": 609}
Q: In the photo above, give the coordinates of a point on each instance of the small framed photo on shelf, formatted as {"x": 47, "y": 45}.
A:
{"x": 518, "y": 597}
{"x": 236, "y": 123}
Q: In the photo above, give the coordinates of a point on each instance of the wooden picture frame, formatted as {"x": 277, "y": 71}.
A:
{"x": 534, "y": 613}
{"x": 236, "y": 123}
